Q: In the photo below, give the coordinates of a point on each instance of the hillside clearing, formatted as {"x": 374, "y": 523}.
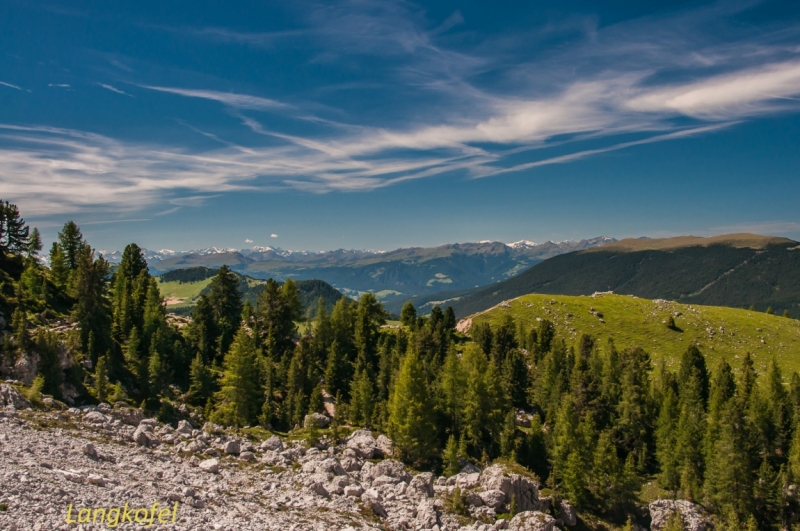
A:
{"x": 631, "y": 321}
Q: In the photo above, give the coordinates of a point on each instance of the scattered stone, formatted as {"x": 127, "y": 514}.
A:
{"x": 232, "y": 447}
{"x": 273, "y": 443}
{"x": 247, "y": 456}
{"x": 210, "y": 465}
{"x": 89, "y": 450}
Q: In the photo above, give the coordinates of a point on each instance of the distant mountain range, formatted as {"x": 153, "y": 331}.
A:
{"x": 738, "y": 270}
{"x": 395, "y": 276}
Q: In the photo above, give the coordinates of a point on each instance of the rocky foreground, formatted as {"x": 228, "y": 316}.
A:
{"x": 208, "y": 478}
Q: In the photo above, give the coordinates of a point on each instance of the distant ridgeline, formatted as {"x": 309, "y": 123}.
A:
{"x": 737, "y": 270}
{"x": 310, "y": 290}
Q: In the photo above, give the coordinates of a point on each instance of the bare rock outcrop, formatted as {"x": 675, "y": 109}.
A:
{"x": 9, "y": 396}
{"x": 692, "y": 516}
{"x": 532, "y": 521}
{"x": 525, "y": 490}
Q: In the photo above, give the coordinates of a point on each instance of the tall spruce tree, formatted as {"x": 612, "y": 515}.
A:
{"x": 411, "y": 414}
{"x": 240, "y": 396}
{"x": 72, "y": 244}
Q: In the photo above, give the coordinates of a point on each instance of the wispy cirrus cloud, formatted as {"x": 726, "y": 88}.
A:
{"x": 474, "y": 108}
{"x": 237, "y": 101}
{"x": 115, "y": 89}
{"x": 9, "y": 85}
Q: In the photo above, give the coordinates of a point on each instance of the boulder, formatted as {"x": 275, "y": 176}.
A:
{"x": 89, "y": 451}
{"x": 95, "y": 417}
{"x": 96, "y": 480}
{"x": 316, "y": 420}
{"x": 184, "y": 427}
{"x": 9, "y": 396}
{"x": 524, "y": 419}
{"x": 385, "y": 445}
{"x": 273, "y": 443}
{"x": 338, "y": 484}
{"x": 474, "y": 499}
{"x": 353, "y": 491}
{"x": 422, "y": 484}
{"x": 567, "y": 513}
{"x": 532, "y": 521}
{"x": 427, "y": 516}
{"x": 247, "y": 456}
{"x": 693, "y": 516}
{"x": 232, "y": 447}
{"x": 391, "y": 468}
{"x": 495, "y": 499}
{"x": 524, "y": 489}
{"x": 363, "y": 443}
{"x": 144, "y": 436}
{"x": 209, "y": 465}
{"x": 128, "y": 415}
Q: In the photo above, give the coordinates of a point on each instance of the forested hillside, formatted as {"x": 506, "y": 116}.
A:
{"x": 600, "y": 424}
{"x": 762, "y": 273}
{"x": 182, "y": 287}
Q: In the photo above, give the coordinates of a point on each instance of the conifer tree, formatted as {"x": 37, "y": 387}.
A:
{"x": 449, "y": 321}
{"x": 34, "y": 246}
{"x": 19, "y": 323}
{"x": 361, "y": 398}
{"x": 451, "y": 390}
{"x": 226, "y": 301}
{"x": 101, "y": 379}
{"x": 508, "y": 437}
{"x": 369, "y": 318}
{"x": 92, "y": 310}
{"x": 275, "y": 316}
{"x": 666, "y": 443}
{"x": 451, "y": 464}
{"x": 515, "y": 379}
{"x": 13, "y": 230}
{"x": 71, "y": 242}
{"x": 484, "y": 403}
{"x": 694, "y": 363}
{"x": 127, "y": 308}
{"x": 239, "y": 398}
{"x": 408, "y": 314}
{"x": 201, "y": 381}
{"x": 202, "y": 331}
{"x": 49, "y": 362}
{"x": 689, "y": 437}
{"x": 411, "y": 416}
{"x": 58, "y": 267}
{"x": 338, "y": 370}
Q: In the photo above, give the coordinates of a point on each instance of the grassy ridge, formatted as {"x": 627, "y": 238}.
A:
{"x": 632, "y": 321}
{"x": 719, "y": 274}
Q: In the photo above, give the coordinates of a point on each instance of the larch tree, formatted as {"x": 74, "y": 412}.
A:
{"x": 411, "y": 414}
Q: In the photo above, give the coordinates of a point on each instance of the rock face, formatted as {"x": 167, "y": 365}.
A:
{"x": 9, "y": 396}
{"x": 523, "y": 489}
{"x": 692, "y": 515}
{"x": 532, "y": 521}
{"x": 317, "y": 420}
{"x": 568, "y": 514}
{"x": 363, "y": 444}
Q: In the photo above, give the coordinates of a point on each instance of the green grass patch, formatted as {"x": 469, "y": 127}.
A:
{"x": 719, "y": 332}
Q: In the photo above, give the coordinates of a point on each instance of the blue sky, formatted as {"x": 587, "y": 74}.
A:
{"x": 380, "y": 124}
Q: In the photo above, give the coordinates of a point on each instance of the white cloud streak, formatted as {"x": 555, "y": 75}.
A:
{"x": 9, "y": 85}
{"x": 626, "y": 85}
{"x": 114, "y": 89}
{"x": 237, "y": 101}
